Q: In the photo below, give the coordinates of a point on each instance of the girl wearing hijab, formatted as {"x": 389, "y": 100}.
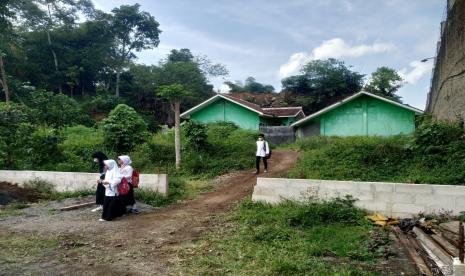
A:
{"x": 112, "y": 207}
{"x": 126, "y": 171}
{"x": 100, "y": 192}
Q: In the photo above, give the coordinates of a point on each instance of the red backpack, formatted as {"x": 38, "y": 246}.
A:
{"x": 135, "y": 179}
{"x": 123, "y": 187}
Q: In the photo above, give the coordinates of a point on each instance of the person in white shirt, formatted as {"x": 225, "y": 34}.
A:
{"x": 112, "y": 207}
{"x": 126, "y": 170}
{"x": 263, "y": 150}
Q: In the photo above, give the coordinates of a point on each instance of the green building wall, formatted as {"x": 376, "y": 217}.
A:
{"x": 225, "y": 111}
{"x": 365, "y": 116}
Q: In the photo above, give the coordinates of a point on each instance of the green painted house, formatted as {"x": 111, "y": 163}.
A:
{"x": 362, "y": 114}
{"x": 226, "y": 108}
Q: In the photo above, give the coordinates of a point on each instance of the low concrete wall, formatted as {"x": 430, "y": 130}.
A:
{"x": 391, "y": 199}
{"x": 73, "y": 181}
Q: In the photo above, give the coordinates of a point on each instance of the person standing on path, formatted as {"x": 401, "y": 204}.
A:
{"x": 263, "y": 150}
{"x": 124, "y": 161}
{"x": 99, "y": 157}
{"x": 112, "y": 206}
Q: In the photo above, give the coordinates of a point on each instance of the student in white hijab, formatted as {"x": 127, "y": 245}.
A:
{"x": 126, "y": 170}
{"x": 112, "y": 206}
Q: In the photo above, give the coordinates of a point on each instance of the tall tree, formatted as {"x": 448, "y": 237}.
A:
{"x": 134, "y": 30}
{"x": 321, "y": 82}
{"x": 62, "y": 13}
{"x": 11, "y": 11}
{"x": 385, "y": 82}
{"x": 174, "y": 93}
{"x": 251, "y": 85}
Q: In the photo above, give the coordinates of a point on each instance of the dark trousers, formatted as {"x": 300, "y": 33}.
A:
{"x": 100, "y": 194}
{"x": 112, "y": 208}
{"x": 257, "y": 163}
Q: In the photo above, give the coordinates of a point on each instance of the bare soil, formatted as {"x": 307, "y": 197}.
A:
{"x": 134, "y": 244}
{"x": 12, "y": 193}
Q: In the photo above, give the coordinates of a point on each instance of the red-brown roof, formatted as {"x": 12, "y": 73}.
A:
{"x": 270, "y": 111}
{"x": 282, "y": 111}
{"x": 244, "y": 102}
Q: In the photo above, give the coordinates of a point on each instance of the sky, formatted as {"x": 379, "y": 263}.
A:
{"x": 272, "y": 39}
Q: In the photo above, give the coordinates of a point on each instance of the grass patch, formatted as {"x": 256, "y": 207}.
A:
{"x": 390, "y": 159}
{"x": 180, "y": 188}
{"x": 46, "y": 191}
{"x": 17, "y": 250}
{"x": 287, "y": 239}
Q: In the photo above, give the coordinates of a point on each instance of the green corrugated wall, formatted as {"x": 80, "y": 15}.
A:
{"x": 222, "y": 110}
{"x": 367, "y": 116}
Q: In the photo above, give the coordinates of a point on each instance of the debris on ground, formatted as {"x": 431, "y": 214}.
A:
{"x": 434, "y": 247}
{"x": 381, "y": 220}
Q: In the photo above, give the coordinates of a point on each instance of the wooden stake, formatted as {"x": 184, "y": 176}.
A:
{"x": 77, "y": 206}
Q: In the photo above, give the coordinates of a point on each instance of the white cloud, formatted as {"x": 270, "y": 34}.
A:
{"x": 224, "y": 88}
{"x": 418, "y": 70}
{"x": 333, "y": 48}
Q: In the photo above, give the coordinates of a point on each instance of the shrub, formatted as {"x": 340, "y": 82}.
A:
{"x": 79, "y": 142}
{"x": 13, "y": 118}
{"x": 196, "y": 136}
{"x": 42, "y": 149}
{"x": 123, "y": 129}
{"x": 56, "y": 110}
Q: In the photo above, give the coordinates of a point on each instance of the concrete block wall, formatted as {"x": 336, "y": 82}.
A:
{"x": 391, "y": 199}
{"x": 73, "y": 181}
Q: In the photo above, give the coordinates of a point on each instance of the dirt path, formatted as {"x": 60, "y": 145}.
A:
{"x": 137, "y": 244}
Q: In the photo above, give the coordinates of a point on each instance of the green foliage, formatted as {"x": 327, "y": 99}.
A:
{"x": 123, "y": 129}
{"x": 41, "y": 150}
{"x": 102, "y": 103}
{"x": 173, "y": 92}
{"x": 56, "y": 110}
{"x": 435, "y": 155}
{"x": 196, "y": 136}
{"x": 229, "y": 149}
{"x": 46, "y": 191}
{"x": 177, "y": 192}
{"x": 79, "y": 142}
{"x": 288, "y": 239}
{"x": 385, "y": 82}
{"x": 13, "y": 117}
{"x": 251, "y": 85}
{"x": 321, "y": 83}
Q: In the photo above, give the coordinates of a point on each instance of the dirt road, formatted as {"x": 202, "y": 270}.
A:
{"x": 136, "y": 244}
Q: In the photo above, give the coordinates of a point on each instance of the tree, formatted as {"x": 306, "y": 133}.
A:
{"x": 321, "y": 83}
{"x": 385, "y": 82}
{"x": 62, "y": 13}
{"x": 123, "y": 129}
{"x": 133, "y": 30}
{"x": 251, "y": 85}
{"x": 174, "y": 93}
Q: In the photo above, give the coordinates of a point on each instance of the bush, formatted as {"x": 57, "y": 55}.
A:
{"x": 123, "y": 129}
{"x": 13, "y": 133}
{"x": 41, "y": 151}
{"x": 79, "y": 142}
{"x": 196, "y": 136}
{"x": 56, "y": 110}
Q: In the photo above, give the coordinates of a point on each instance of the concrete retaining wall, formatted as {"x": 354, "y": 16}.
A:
{"x": 391, "y": 199}
{"x": 73, "y": 181}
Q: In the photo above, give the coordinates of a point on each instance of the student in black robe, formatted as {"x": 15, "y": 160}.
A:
{"x": 99, "y": 157}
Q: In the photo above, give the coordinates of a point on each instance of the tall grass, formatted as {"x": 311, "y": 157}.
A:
{"x": 288, "y": 239}
{"x": 393, "y": 159}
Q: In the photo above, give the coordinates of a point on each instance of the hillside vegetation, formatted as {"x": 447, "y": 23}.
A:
{"x": 434, "y": 154}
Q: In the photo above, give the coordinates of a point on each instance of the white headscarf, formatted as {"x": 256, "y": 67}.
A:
{"x": 112, "y": 174}
{"x": 126, "y": 159}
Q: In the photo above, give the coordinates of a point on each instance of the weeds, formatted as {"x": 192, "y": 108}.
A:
{"x": 290, "y": 239}
{"x": 392, "y": 159}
